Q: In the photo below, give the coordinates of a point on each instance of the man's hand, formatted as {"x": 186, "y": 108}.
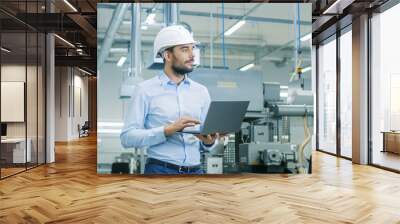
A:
{"x": 208, "y": 139}
{"x": 179, "y": 125}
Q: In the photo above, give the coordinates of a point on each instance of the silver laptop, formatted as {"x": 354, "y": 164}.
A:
{"x": 222, "y": 117}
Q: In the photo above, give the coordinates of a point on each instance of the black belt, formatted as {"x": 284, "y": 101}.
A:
{"x": 178, "y": 168}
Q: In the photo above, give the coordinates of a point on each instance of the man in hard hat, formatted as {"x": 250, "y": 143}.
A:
{"x": 165, "y": 104}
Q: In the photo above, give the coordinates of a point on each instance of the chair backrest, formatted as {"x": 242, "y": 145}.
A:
{"x": 86, "y": 125}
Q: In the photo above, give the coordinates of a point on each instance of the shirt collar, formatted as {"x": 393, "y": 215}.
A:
{"x": 166, "y": 80}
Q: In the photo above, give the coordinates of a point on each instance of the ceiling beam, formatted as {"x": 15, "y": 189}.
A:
{"x": 82, "y": 61}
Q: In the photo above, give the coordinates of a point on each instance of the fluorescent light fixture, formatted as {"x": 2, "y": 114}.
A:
{"x": 306, "y": 37}
{"x": 118, "y": 50}
{"x": 143, "y": 26}
{"x": 306, "y": 69}
{"x": 108, "y": 131}
{"x": 284, "y": 87}
{"x": 150, "y": 18}
{"x": 121, "y": 61}
{"x": 247, "y": 67}
{"x": 65, "y": 41}
{"x": 110, "y": 124}
{"x": 333, "y": 6}
{"x": 70, "y": 5}
{"x": 5, "y": 50}
{"x": 284, "y": 94}
{"x": 234, "y": 27}
{"x": 86, "y": 72}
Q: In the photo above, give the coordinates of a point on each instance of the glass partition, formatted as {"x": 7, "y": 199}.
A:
{"x": 346, "y": 93}
{"x": 22, "y": 89}
{"x": 385, "y": 89}
{"x": 327, "y": 96}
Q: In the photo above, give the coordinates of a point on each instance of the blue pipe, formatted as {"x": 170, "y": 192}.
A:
{"x": 223, "y": 36}
{"x": 298, "y": 28}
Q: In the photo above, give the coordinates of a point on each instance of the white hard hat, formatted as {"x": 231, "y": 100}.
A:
{"x": 171, "y": 36}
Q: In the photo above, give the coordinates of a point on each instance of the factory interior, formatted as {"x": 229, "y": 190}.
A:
{"x": 318, "y": 143}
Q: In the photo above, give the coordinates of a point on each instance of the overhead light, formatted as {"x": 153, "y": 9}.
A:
{"x": 110, "y": 124}
{"x": 84, "y": 71}
{"x": 284, "y": 94}
{"x": 306, "y": 69}
{"x": 234, "y": 27}
{"x": 5, "y": 50}
{"x": 79, "y": 50}
{"x": 247, "y": 67}
{"x": 64, "y": 40}
{"x": 143, "y": 26}
{"x": 70, "y": 5}
{"x": 306, "y": 37}
{"x": 150, "y": 18}
{"x": 121, "y": 61}
{"x": 119, "y": 50}
{"x": 334, "y": 7}
{"x": 284, "y": 87}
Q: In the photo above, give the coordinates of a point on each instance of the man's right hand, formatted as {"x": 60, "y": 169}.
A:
{"x": 179, "y": 125}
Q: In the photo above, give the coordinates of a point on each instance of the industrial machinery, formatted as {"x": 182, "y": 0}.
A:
{"x": 275, "y": 134}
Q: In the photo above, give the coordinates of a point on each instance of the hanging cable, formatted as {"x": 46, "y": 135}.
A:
{"x": 298, "y": 29}
{"x": 297, "y": 52}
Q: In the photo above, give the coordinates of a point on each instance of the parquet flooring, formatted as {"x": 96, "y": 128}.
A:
{"x": 70, "y": 191}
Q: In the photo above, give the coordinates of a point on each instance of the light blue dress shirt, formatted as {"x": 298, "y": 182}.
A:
{"x": 158, "y": 102}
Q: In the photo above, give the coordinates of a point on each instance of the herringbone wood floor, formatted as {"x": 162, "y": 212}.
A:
{"x": 70, "y": 191}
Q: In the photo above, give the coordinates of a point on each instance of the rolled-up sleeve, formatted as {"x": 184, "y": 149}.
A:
{"x": 134, "y": 134}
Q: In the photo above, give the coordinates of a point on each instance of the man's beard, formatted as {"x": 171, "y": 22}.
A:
{"x": 181, "y": 70}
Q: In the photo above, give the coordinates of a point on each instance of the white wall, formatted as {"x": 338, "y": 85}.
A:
{"x": 33, "y": 126}
{"x": 12, "y": 73}
{"x": 67, "y": 114}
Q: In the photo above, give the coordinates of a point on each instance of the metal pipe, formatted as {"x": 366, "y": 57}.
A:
{"x": 245, "y": 16}
{"x": 211, "y": 42}
{"x": 170, "y": 13}
{"x": 115, "y": 22}
{"x": 135, "y": 41}
{"x": 295, "y": 55}
{"x": 293, "y": 110}
{"x": 223, "y": 36}
{"x": 174, "y": 13}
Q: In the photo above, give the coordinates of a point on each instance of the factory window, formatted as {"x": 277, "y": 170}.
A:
{"x": 345, "y": 92}
{"x": 327, "y": 96}
{"x": 385, "y": 89}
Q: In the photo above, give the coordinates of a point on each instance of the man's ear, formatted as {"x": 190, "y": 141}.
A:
{"x": 167, "y": 55}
